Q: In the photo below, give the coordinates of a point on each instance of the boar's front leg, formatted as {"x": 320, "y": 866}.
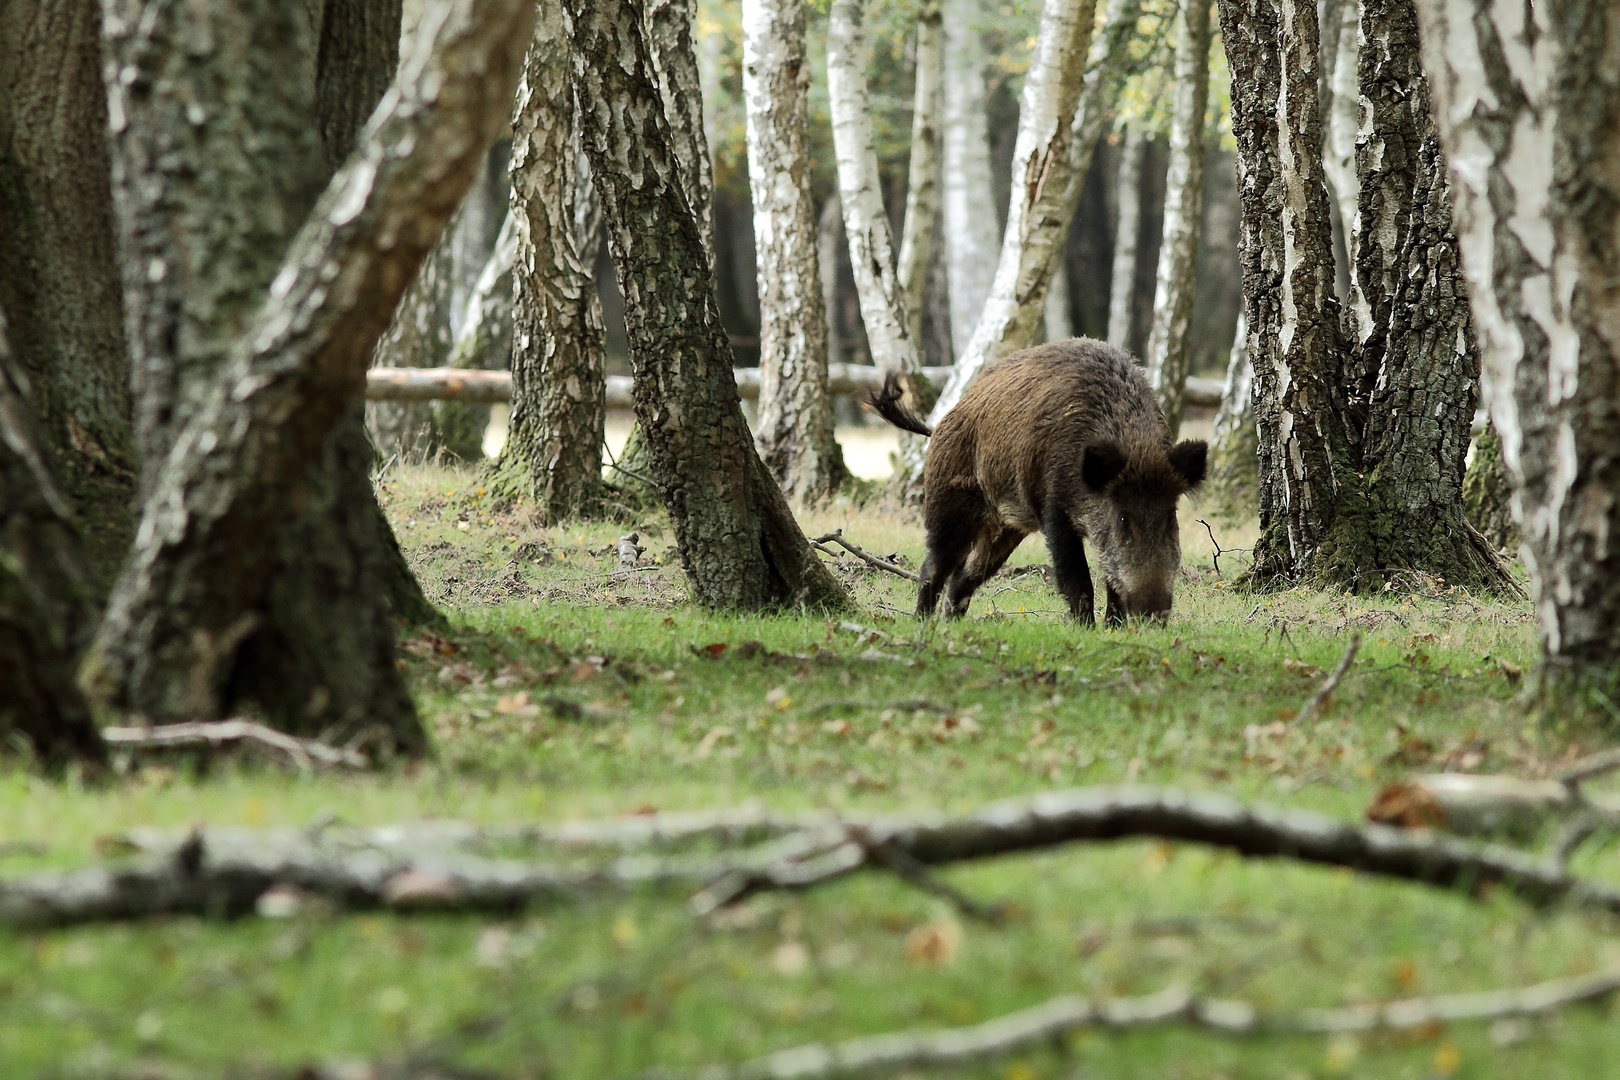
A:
{"x": 1069, "y": 566}
{"x": 952, "y": 519}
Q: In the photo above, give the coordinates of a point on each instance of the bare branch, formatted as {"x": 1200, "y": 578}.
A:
{"x": 1329, "y": 684}
{"x": 914, "y": 1050}
{"x": 837, "y": 537}
{"x": 302, "y": 753}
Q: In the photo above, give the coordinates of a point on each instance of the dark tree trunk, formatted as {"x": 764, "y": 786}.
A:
{"x": 59, "y": 284}
{"x": 197, "y": 582}
{"x": 48, "y": 599}
{"x": 554, "y": 439}
{"x": 738, "y": 542}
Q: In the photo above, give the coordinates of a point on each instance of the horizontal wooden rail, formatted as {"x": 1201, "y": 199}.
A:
{"x": 457, "y": 384}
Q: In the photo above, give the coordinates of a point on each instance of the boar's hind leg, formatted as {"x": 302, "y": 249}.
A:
{"x": 952, "y": 520}
{"x": 991, "y": 551}
{"x": 1069, "y": 566}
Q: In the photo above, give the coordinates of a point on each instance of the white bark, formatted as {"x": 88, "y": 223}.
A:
{"x": 1524, "y": 102}
{"x": 1037, "y": 211}
{"x": 922, "y": 187}
{"x": 794, "y": 427}
{"x": 871, "y": 247}
{"x": 971, "y": 229}
{"x": 1169, "y": 348}
{"x": 1341, "y": 119}
{"x": 1127, "y": 225}
{"x": 1055, "y": 312}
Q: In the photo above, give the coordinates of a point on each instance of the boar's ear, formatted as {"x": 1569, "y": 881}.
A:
{"x": 1190, "y": 457}
{"x": 1101, "y": 464}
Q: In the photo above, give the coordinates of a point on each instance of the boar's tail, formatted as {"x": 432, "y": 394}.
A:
{"x": 889, "y": 403}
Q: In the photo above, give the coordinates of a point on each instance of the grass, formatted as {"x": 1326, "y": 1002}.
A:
{"x": 798, "y": 710}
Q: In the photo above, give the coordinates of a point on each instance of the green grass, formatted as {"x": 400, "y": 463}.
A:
{"x": 797, "y": 711}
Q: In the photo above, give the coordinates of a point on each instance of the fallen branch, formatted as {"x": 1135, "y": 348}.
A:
{"x": 1329, "y": 684}
{"x": 227, "y": 872}
{"x": 837, "y": 537}
{"x": 1044, "y": 1024}
{"x": 304, "y": 753}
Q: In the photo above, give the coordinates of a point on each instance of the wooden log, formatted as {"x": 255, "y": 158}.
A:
{"x": 456, "y": 384}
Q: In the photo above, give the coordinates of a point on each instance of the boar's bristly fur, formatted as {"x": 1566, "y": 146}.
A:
{"x": 1065, "y": 439}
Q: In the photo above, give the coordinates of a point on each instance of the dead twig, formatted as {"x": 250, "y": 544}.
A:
{"x": 1044, "y": 1024}
{"x": 302, "y": 753}
{"x": 1329, "y": 684}
{"x": 837, "y": 537}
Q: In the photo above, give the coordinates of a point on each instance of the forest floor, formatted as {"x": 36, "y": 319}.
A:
{"x": 566, "y": 691}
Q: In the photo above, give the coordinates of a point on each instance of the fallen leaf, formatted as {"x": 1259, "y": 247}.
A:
{"x": 935, "y": 943}
{"x": 1410, "y": 806}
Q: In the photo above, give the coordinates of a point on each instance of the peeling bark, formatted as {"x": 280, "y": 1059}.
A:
{"x": 793, "y": 429}
{"x": 59, "y": 283}
{"x": 1039, "y": 210}
{"x": 196, "y": 583}
{"x": 739, "y": 544}
{"x": 1527, "y": 101}
{"x": 554, "y": 438}
{"x": 1169, "y": 348}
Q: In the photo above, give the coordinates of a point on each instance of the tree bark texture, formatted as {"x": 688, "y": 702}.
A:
{"x": 419, "y": 337}
{"x": 196, "y": 583}
{"x": 1233, "y": 451}
{"x": 48, "y": 596}
{"x": 1527, "y": 100}
{"x": 1058, "y": 321}
{"x": 1127, "y": 230}
{"x": 59, "y": 283}
{"x": 972, "y": 233}
{"x": 555, "y": 434}
{"x": 1488, "y": 493}
{"x": 917, "y": 234}
{"x": 866, "y": 223}
{"x": 1169, "y": 348}
{"x": 1294, "y": 340}
{"x": 1341, "y": 118}
{"x": 793, "y": 429}
{"x": 671, "y": 40}
{"x": 739, "y": 544}
{"x": 1415, "y": 371}
{"x": 1038, "y": 209}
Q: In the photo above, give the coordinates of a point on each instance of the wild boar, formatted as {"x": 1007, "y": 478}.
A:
{"x": 1065, "y": 439}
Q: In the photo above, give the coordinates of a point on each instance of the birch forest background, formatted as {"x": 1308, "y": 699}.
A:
{"x": 809, "y": 539}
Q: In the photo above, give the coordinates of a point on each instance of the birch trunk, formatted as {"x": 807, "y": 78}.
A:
{"x": 1525, "y": 100}
{"x": 1127, "y": 231}
{"x": 671, "y": 39}
{"x": 48, "y": 596}
{"x": 1488, "y": 493}
{"x": 917, "y": 234}
{"x": 793, "y": 430}
{"x": 1233, "y": 450}
{"x": 484, "y": 341}
{"x": 196, "y": 583}
{"x": 59, "y": 283}
{"x": 419, "y": 337}
{"x": 971, "y": 229}
{"x": 554, "y": 439}
{"x": 1058, "y": 322}
{"x": 739, "y": 544}
{"x": 1306, "y": 456}
{"x": 866, "y": 224}
{"x": 1038, "y": 212}
{"x": 1341, "y": 110}
{"x": 1169, "y": 350}
{"x": 1415, "y": 376}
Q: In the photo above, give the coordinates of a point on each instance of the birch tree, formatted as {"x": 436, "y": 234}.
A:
{"x": 59, "y": 281}
{"x": 1038, "y": 213}
{"x": 1361, "y": 425}
{"x": 1525, "y": 100}
{"x": 1233, "y": 450}
{"x": 553, "y": 451}
{"x": 1127, "y": 230}
{"x": 206, "y": 561}
{"x": 917, "y": 239}
{"x": 738, "y": 542}
{"x": 1169, "y": 350}
{"x": 971, "y": 230}
{"x": 793, "y": 429}
{"x": 1341, "y": 117}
